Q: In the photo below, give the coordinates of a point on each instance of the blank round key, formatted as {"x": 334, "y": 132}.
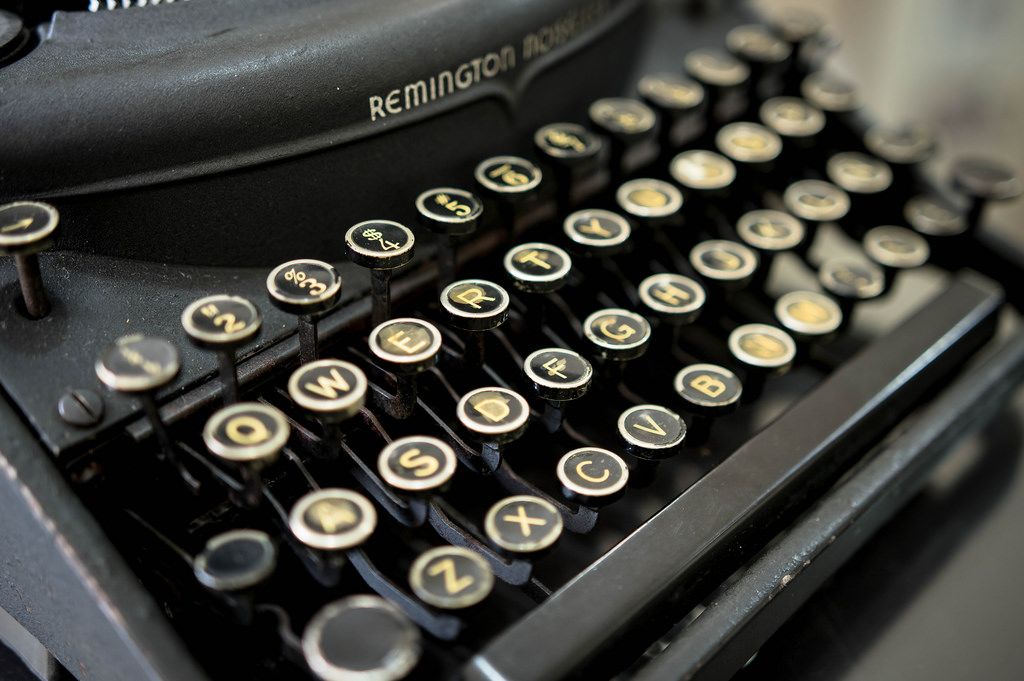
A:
{"x": 724, "y": 78}
{"x": 753, "y": 149}
{"x": 451, "y": 577}
{"x": 707, "y": 392}
{"x": 558, "y": 376}
{"x": 703, "y": 173}
{"x": 573, "y": 152}
{"x": 306, "y": 288}
{"x": 406, "y": 346}
{"x": 815, "y": 202}
{"x": 222, "y": 323}
{"x": 141, "y": 365}
{"x": 839, "y": 100}
{"x": 808, "y": 315}
{"x": 523, "y": 524}
{"x": 770, "y": 232}
{"x": 649, "y": 201}
{"x": 26, "y": 228}
{"x": 983, "y": 180}
{"x": 332, "y": 519}
{"x": 451, "y": 214}
{"x": 765, "y": 54}
{"x": 934, "y": 216}
{"x": 597, "y": 232}
{"x": 382, "y": 246}
{"x": 866, "y": 180}
{"x": 333, "y": 391}
{"x": 673, "y": 298}
{"x": 795, "y": 120}
{"x": 905, "y": 145}
{"x": 361, "y": 637}
{"x": 762, "y": 349}
{"x": 651, "y": 431}
{"x": 236, "y": 560}
{"x": 417, "y": 464}
{"x": 617, "y": 335}
{"x": 727, "y": 264}
{"x": 249, "y": 436}
{"x": 851, "y": 281}
{"x": 679, "y": 102}
{"x": 592, "y": 476}
{"x": 537, "y": 267}
{"x": 895, "y": 249}
{"x": 627, "y": 122}
{"x": 475, "y": 306}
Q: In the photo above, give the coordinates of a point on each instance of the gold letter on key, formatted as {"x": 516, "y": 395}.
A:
{"x": 709, "y": 385}
{"x": 329, "y": 386}
{"x": 472, "y": 297}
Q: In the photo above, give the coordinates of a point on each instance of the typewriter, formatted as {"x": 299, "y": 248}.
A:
{"x": 556, "y": 339}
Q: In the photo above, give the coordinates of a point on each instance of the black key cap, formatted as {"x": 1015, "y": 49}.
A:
{"x": 26, "y": 228}
{"x": 804, "y": 449}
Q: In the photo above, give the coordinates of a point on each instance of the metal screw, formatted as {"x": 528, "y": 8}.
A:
{"x": 80, "y": 407}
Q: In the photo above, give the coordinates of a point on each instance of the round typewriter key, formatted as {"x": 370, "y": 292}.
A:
{"x": 417, "y": 463}
{"x": 858, "y": 173}
{"x": 816, "y": 201}
{"x": 762, "y": 347}
{"x": 26, "y": 228}
{"x": 597, "y": 231}
{"x": 331, "y": 389}
{"x": 406, "y": 344}
{"x": 451, "y": 577}
{"x": 679, "y": 101}
{"x": 748, "y": 143}
{"x": 754, "y": 43}
{"x": 141, "y": 365}
{"x": 708, "y": 388}
{"x": 983, "y": 180}
{"x": 362, "y": 638}
{"x": 573, "y": 152}
{"x": 728, "y": 264}
{"x": 851, "y": 281}
{"x": 236, "y": 560}
{"x": 627, "y": 122}
{"x": 808, "y": 315}
{"x": 770, "y": 231}
{"x": 222, "y": 323}
{"x": 508, "y": 175}
{"x": 557, "y": 374}
{"x": 795, "y": 24}
{"x": 382, "y": 246}
{"x": 494, "y": 415}
{"x": 830, "y": 93}
{"x": 934, "y": 216}
{"x": 475, "y": 304}
{"x": 305, "y": 288}
{"x": 249, "y": 435}
{"x": 723, "y": 77}
{"x": 649, "y": 200}
{"x": 450, "y": 213}
{"x": 651, "y": 431}
{"x": 792, "y": 118}
{"x": 905, "y": 145}
{"x": 332, "y": 519}
{"x": 523, "y": 524}
{"x": 672, "y": 297}
{"x": 702, "y": 171}
{"x": 617, "y": 335}
{"x": 895, "y": 247}
{"x": 592, "y": 475}
{"x": 537, "y": 267}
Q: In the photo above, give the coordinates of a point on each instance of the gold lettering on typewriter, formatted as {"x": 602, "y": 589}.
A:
{"x": 762, "y": 345}
{"x": 770, "y": 229}
{"x": 749, "y": 141}
{"x": 896, "y": 246}
{"x": 422, "y": 466}
{"x": 670, "y": 294}
{"x": 303, "y": 280}
{"x": 648, "y": 198}
{"x": 246, "y": 430}
{"x": 333, "y": 516}
{"x": 135, "y": 358}
{"x": 507, "y": 174}
{"x": 404, "y": 342}
{"x": 807, "y": 311}
{"x": 534, "y": 257}
{"x": 227, "y": 320}
{"x": 594, "y": 227}
{"x": 724, "y": 260}
{"x": 653, "y": 429}
{"x": 24, "y": 223}
{"x": 376, "y": 235}
{"x": 709, "y": 385}
{"x": 595, "y": 479}
{"x": 329, "y": 386}
{"x": 555, "y": 366}
{"x": 565, "y": 140}
{"x": 453, "y": 584}
{"x": 472, "y": 296}
{"x": 817, "y": 200}
{"x": 524, "y": 521}
{"x": 494, "y": 409}
{"x": 622, "y": 333}
{"x": 460, "y": 209}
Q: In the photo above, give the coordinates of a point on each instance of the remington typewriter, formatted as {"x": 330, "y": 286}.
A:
{"x": 555, "y": 339}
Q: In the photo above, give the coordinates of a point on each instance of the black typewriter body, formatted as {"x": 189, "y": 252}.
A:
{"x": 398, "y": 227}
